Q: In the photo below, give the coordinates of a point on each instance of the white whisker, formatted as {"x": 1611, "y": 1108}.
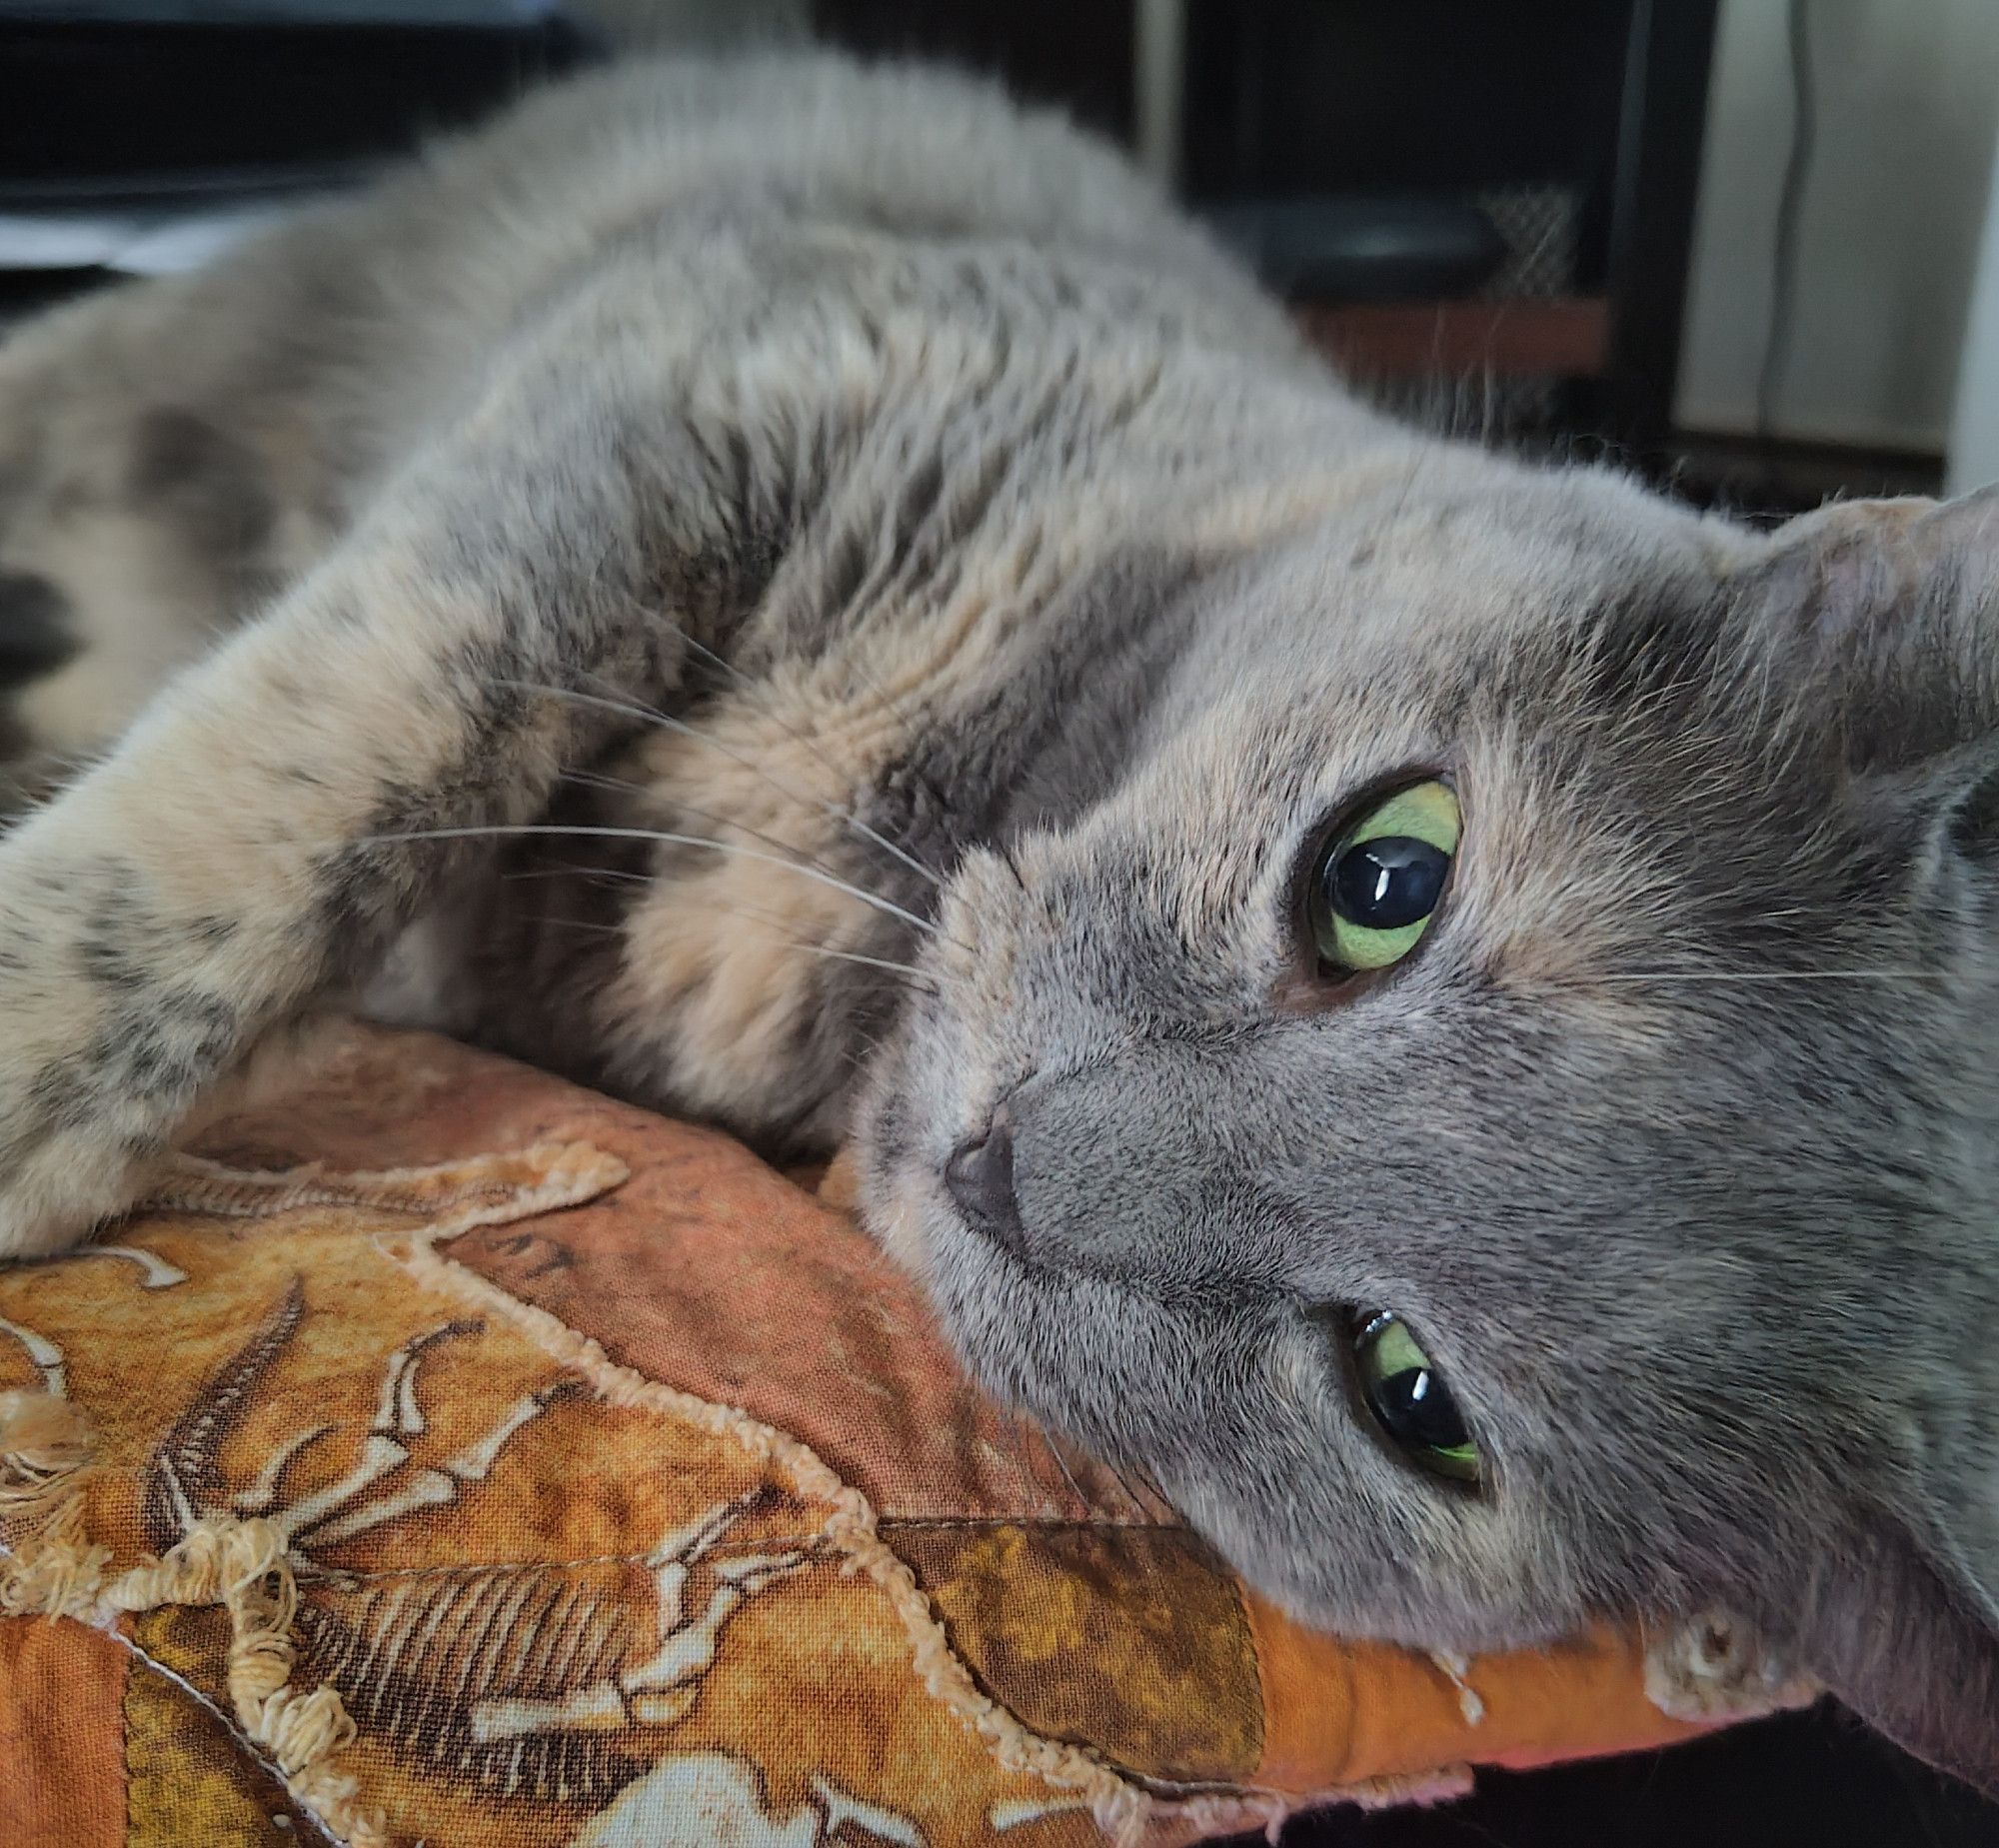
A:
{"x": 847, "y": 815}
{"x": 595, "y": 780}
{"x": 1815, "y": 974}
{"x": 525, "y": 829}
{"x": 1048, "y": 1444}
{"x": 854, "y": 955}
{"x": 666, "y": 721}
{"x": 754, "y": 913}
{"x": 584, "y": 873}
{"x": 914, "y": 974}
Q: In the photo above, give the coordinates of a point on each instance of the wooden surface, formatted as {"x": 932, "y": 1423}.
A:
{"x": 1565, "y": 337}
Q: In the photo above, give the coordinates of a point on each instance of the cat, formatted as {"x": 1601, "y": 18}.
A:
{"x": 1441, "y": 1007}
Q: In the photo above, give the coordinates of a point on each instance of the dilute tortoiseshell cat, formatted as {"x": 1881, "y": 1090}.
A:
{"x": 1445, "y": 1009}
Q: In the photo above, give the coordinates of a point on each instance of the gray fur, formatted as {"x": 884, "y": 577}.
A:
{"x": 871, "y": 488}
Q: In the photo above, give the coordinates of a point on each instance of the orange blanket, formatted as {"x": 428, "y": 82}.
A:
{"x": 453, "y": 1456}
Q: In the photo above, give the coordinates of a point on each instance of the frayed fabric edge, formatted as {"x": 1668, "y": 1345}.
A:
{"x": 53, "y": 1570}
{"x": 240, "y": 1565}
{"x": 1714, "y": 1668}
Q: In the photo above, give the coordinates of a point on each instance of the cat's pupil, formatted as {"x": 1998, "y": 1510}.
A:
{"x": 1416, "y": 1410}
{"x": 1388, "y": 884}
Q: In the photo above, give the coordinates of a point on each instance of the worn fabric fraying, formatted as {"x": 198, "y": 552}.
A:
{"x": 55, "y": 1571}
{"x": 1457, "y": 1666}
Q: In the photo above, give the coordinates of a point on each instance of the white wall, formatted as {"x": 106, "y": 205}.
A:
{"x": 1908, "y": 110}
{"x": 1974, "y": 436}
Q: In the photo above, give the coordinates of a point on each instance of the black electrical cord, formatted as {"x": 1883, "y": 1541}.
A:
{"x": 1790, "y": 206}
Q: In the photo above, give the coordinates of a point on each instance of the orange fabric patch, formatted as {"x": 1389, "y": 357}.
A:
{"x": 1341, "y": 1711}
{"x": 62, "y": 1738}
{"x": 1122, "y": 1638}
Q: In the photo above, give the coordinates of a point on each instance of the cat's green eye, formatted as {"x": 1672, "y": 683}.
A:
{"x": 1409, "y": 1400}
{"x": 1376, "y": 886}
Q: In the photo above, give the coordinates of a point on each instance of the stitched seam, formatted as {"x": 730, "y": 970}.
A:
{"x": 244, "y": 1744}
{"x": 1119, "y": 1805}
{"x": 1039, "y": 1523}
{"x": 1257, "y": 1662}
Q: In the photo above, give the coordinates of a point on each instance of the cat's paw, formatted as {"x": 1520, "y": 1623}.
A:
{"x": 66, "y": 1189}
{"x": 97, "y": 1051}
{"x": 73, "y": 1152}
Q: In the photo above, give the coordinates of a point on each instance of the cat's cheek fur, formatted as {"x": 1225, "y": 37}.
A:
{"x": 1238, "y": 1407}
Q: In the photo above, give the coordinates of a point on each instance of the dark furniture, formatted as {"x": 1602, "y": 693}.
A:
{"x": 1576, "y": 126}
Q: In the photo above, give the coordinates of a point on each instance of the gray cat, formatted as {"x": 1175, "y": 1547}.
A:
{"x": 1442, "y": 1009}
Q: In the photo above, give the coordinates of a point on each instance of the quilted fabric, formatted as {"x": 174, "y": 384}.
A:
{"x": 453, "y": 1456}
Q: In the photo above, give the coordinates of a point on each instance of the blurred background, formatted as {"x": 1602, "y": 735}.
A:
{"x": 1736, "y": 242}
{"x": 1750, "y": 246}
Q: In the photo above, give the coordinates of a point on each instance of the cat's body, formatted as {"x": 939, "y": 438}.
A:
{"x": 809, "y": 600}
{"x": 953, "y": 356}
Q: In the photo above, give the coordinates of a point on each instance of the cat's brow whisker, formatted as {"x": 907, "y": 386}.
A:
{"x": 846, "y": 816}
{"x": 802, "y": 859}
{"x": 1125, "y": 1487}
{"x": 1121, "y": 1474}
{"x": 887, "y": 699}
{"x": 579, "y": 872}
{"x": 918, "y": 976}
{"x": 1159, "y": 1502}
{"x": 1023, "y": 1425}
{"x": 1048, "y": 1444}
{"x": 597, "y": 779}
{"x": 1811, "y": 974}
{"x": 754, "y": 913}
{"x": 526, "y": 830}
{"x": 1159, "y": 1495}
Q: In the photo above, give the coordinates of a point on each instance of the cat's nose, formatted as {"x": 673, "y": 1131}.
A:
{"x": 979, "y": 1178}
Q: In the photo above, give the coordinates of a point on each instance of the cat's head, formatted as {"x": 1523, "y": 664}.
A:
{"x": 1496, "y": 1110}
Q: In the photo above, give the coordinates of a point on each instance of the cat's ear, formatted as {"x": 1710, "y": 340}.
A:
{"x": 1910, "y": 1648}
{"x": 1883, "y": 617}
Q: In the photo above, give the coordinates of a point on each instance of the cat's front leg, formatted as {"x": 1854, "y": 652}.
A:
{"x": 259, "y": 836}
